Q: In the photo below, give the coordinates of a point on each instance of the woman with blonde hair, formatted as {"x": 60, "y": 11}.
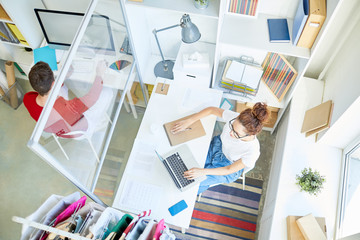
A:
{"x": 236, "y": 149}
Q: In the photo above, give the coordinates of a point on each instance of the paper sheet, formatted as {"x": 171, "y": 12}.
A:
{"x": 252, "y": 76}
{"x": 235, "y": 71}
{"x": 196, "y": 98}
{"x": 143, "y": 159}
{"x": 139, "y": 196}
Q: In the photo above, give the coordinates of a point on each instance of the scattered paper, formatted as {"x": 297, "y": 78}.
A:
{"x": 196, "y": 98}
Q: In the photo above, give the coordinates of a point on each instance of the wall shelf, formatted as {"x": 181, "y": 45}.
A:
{"x": 253, "y": 33}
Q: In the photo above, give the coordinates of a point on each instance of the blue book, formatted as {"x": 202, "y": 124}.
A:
{"x": 278, "y": 30}
{"x": 46, "y": 54}
{"x": 301, "y": 16}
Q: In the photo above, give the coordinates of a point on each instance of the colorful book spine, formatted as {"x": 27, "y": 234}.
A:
{"x": 245, "y": 7}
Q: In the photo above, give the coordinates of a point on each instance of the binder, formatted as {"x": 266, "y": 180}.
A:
{"x": 3, "y": 14}
{"x": 16, "y": 33}
{"x": 301, "y": 16}
{"x": 317, "y": 15}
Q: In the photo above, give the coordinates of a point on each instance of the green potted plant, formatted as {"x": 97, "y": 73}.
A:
{"x": 310, "y": 181}
{"x": 201, "y": 4}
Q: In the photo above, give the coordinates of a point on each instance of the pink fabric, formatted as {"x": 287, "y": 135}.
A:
{"x": 67, "y": 213}
{"x": 160, "y": 226}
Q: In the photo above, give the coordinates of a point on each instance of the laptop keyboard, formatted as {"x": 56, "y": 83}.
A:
{"x": 179, "y": 167}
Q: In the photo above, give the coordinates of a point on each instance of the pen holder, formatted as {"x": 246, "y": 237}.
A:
{"x": 162, "y": 88}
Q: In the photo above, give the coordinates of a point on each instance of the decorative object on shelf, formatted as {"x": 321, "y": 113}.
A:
{"x": 244, "y": 7}
{"x": 317, "y": 15}
{"x": 201, "y": 4}
{"x": 241, "y": 76}
{"x": 278, "y": 74}
{"x": 310, "y": 181}
{"x": 278, "y": 30}
{"x": 119, "y": 64}
{"x": 189, "y": 34}
{"x": 226, "y": 104}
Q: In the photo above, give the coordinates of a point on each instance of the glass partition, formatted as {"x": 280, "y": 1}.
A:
{"x": 350, "y": 194}
{"x": 90, "y": 119}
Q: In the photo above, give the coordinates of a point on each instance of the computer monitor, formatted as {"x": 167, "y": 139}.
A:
{"x": 59, "y": 29}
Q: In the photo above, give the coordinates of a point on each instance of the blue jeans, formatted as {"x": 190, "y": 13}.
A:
{"x": 216, "y": 159}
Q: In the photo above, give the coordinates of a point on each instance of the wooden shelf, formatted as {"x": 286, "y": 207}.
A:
{"x": 253, "y": 33}
{"x": 183, "y": 6}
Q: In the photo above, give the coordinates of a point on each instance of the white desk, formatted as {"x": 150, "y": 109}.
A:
{"x": 144, "y": 167}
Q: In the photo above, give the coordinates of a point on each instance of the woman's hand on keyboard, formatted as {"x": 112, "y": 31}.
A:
{"x": 194, "y": 173}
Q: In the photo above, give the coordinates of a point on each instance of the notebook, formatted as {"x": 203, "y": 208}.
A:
{"x": 177, "y": 162}
{"x": 195, "y": 130}
{"x": 278, "y": 30}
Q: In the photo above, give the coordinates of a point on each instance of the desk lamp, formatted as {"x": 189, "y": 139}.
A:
{"x": 189, "y": 34}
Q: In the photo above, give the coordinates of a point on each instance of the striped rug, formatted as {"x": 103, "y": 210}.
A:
{"x": 226, "y": 212}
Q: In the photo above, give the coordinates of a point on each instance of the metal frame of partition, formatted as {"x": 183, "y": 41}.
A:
{"x": 33, "y": 143}
{"x": 343, "y": 182}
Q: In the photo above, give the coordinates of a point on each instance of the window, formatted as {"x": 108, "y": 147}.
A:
{"x": 349, "y": 208}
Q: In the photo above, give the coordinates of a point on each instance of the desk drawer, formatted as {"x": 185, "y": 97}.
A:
{"x": 198, "y": 80}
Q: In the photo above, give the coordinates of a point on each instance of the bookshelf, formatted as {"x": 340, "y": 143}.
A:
{"x": 20, "y": 13}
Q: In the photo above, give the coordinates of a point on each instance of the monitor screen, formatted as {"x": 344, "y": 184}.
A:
{"x": 59, "y": 29}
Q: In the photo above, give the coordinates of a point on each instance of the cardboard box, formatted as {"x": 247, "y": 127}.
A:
{"x": 310, "y": 228}
{"x": 293, "y": 231}
{"x": 273, "y": 111}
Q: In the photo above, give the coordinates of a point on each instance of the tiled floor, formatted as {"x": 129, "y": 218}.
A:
{"x": 26, "y": 180}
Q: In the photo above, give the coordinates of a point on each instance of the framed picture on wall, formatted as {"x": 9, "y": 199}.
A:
{"x": 278, "y": 74}
{"x": 243, "y": 7}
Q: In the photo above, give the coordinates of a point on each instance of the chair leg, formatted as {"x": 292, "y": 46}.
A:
{"x": 244, "y": 182}
{"x": 93, "y": 149}
{"x": 199, "y": 197}
{"x": 62, "y": 149}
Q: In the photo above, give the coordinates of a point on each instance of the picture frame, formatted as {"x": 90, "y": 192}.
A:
{"x": 278, "y": 74}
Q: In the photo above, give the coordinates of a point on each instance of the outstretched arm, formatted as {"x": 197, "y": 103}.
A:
{"x": 92, "y": 96}
{"x": 183, "y": 124}
{"x": 198, "y": 172}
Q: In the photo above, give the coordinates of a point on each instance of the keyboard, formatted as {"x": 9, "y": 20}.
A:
{"x": 83, "y": 66}
{"x": 179, "y": 167}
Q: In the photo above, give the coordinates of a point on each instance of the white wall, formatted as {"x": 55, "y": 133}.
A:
{"x": 274, "y": 178}
{"x": 342, "y": 85}
{"x": 296, "y": 153}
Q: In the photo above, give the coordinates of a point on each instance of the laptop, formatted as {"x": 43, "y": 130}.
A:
{"x": 176, "y": 163}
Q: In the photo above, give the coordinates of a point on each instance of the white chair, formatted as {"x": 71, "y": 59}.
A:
{"x": 82, "y": 135}
{"x": 242, "y": 177}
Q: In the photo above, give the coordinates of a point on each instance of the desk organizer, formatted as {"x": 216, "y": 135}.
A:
{"x": 239, "y": 87}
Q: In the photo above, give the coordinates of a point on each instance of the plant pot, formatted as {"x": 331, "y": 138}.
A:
{"x": 201, "y": 4}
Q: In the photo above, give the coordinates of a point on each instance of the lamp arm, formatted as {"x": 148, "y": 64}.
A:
{"x": 157, "y": 40}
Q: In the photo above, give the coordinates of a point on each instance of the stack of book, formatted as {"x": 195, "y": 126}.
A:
{"x": 241, "y": 77}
